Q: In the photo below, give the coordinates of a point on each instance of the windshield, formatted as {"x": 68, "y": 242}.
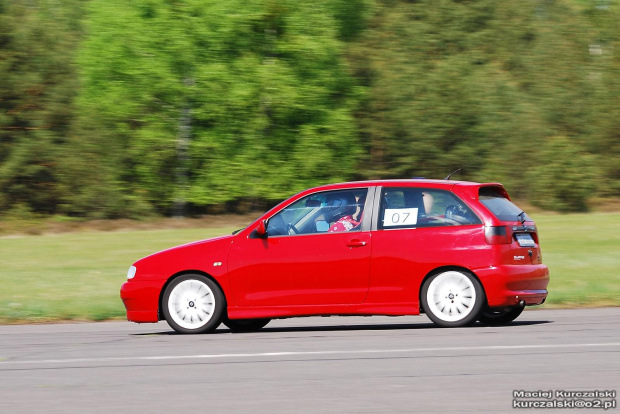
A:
{"x": 500, "y": 206}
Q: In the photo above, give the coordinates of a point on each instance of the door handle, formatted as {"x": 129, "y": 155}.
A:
{"x": 356, "y": 243}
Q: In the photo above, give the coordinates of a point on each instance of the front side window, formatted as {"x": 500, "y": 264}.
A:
{"x": 324, "y": 212}
{"x": 422, "y": 207}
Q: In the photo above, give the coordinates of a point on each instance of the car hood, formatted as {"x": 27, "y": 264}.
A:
{"x": 214, "y": 244}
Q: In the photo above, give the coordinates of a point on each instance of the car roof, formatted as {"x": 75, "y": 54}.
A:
{"x": 443, "y": 184}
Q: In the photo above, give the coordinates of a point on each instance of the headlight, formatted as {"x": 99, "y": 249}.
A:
{"x": 131, "y": 272}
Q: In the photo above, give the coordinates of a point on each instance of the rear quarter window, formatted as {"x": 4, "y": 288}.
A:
{"x": 499, "y": 205}
{"x": 422, "y": 207}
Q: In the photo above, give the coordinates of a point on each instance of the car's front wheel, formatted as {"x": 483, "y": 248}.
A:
{"x": 452, "y": 298}
{"x": 497, "y": 317}
{"x": 193, "y": 304}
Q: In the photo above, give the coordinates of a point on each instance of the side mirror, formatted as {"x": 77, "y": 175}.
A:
{"x": 261, "y": 230}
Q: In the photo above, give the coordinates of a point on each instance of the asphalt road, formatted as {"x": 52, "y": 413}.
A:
{"x": 314, "y": 365}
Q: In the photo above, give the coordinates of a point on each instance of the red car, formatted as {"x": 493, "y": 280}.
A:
{"x": 458, "y": 251}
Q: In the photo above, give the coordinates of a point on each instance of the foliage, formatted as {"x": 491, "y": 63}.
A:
{"x": 605, "y": 124}
{"x": 37, "y": 86}
{"x": 564, "y": 176}
{"x": 482, "y": 85}
{"x": 214, "y": 102}
{"x": 154, "y": 107}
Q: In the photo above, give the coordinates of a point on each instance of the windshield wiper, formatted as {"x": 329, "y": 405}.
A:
{"x": 521, "y": 217}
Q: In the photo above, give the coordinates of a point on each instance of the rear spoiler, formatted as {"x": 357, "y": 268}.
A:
{"x": 496, "y": 186}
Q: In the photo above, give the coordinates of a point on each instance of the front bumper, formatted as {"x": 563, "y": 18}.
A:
{"x": 508, "y": 285}
{"x": 141, "y": 300}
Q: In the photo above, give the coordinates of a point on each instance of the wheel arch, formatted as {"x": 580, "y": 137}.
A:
{"x": 160, "y": 315}
{"x": 442, "y": 269}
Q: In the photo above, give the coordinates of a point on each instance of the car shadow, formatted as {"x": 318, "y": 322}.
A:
{"x": 357, "y": 327}
{"x": 381, "y": 327}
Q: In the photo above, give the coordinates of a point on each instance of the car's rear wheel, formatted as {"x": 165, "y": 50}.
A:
{"x": 245, "y": 325}
{"x": 497, "y": 317}
{"x": 193, "y": 304}
{"x": 452, "y": 298}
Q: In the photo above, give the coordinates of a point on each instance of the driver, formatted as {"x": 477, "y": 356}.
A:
{"x": 342, "y": 210}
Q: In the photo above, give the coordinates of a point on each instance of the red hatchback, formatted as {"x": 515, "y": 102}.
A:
{"x": 458, "y": 251}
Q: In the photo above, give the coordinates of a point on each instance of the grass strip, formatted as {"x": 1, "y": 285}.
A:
{"x": 77, "y": 276}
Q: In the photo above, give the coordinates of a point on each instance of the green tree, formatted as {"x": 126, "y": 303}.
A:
{"x": 484, "y": 85}
{"x": 605, "y": 76}
{"x": 423, "y": 112}
{"x": 566, "y": 178}
{"x": 212, "y": 102}
{"x": 37, "y": 87}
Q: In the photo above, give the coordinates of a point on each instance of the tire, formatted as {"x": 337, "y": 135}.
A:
{"x": 193, "y": 304}
{"x": 452, "y": 299}
{"x": 498, "y": 317}
{"x": 245, "y": 325}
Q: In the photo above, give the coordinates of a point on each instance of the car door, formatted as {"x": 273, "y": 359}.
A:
{"x": 417, "y": 230}
{"x": 301, "y": 262}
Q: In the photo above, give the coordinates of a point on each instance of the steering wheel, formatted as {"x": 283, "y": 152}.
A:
{"x": 454, "y": 215}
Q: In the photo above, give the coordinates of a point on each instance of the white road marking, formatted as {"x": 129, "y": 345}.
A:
{"x": 311, "y": 353}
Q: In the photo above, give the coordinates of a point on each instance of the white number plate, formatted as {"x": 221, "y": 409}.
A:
{"x": 525, "y": 240}
{"x": 400, "y": 217}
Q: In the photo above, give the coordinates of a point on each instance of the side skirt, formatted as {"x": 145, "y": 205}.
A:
{"x": 385, "y": 309}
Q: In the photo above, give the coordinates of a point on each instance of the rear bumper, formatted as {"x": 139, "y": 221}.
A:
{"x": 141, "y": 300}
{"x": 510, "y": 284}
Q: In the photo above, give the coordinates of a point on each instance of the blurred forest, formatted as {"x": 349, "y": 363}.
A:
{"x": 116, "y": 109}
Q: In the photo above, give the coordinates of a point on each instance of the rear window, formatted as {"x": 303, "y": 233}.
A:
{"x": 499, "y": 205}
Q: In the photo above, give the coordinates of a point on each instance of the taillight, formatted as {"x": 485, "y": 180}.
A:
{"x": 496, "y": 235}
